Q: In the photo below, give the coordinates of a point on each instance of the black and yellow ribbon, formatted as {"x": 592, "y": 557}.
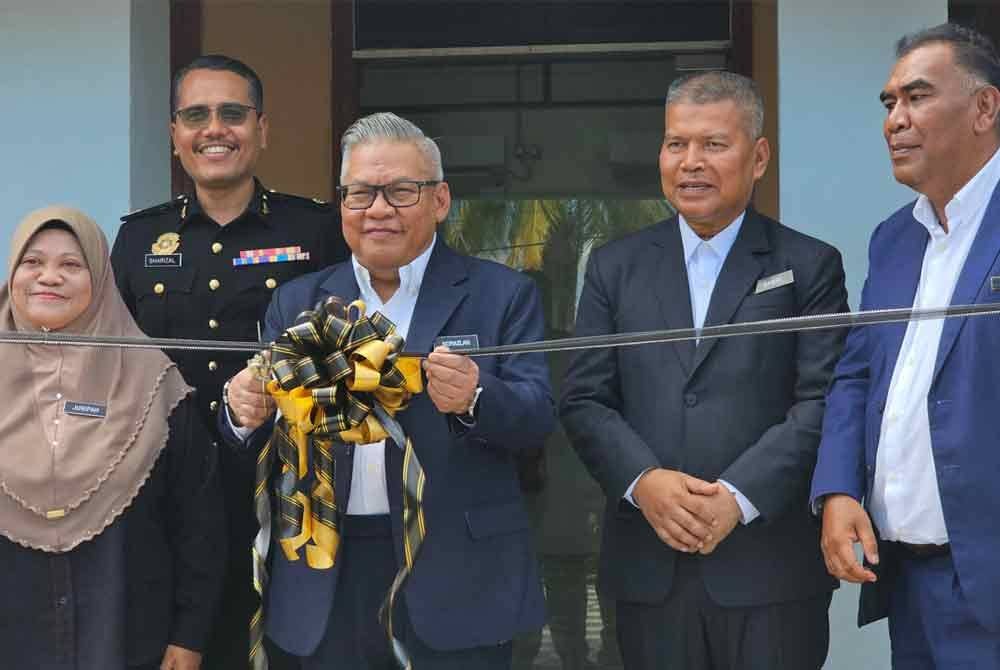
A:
{"x": 337, "y": 378}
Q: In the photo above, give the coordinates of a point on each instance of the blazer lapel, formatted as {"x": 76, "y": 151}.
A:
{"x": 907, "y": 259}
{"x": 341, "y": 283}
{"x": 669, "y": 275}
{"x": 982, "y": 257}
{"x": 441, "y": 292}
{"x": 740, "y": 271}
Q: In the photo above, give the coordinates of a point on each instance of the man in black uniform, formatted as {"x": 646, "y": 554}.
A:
{"x": 204, "y": 266}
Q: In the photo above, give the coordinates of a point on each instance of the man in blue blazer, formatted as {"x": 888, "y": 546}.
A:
{"x": 475, "y": 583}
{"x": 911, "y": 427}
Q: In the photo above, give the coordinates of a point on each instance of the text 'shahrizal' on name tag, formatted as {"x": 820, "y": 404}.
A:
{"x": 774, "y": 281}
{"x": 163, "y": 260}
{"x": 458, "y": 342}
{"x": 93, "y": 409}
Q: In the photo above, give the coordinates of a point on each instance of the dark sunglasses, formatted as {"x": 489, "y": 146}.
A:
{"x": 199, "y": 116}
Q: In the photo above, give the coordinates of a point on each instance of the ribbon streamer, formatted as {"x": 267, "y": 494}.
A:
{"x": 337, "y": 379}
{"x": 785, "y": 325}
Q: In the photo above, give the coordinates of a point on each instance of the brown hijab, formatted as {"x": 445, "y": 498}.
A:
{"x": 65, "y": 477}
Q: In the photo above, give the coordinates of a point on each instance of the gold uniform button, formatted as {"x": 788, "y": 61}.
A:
{"x": 159, "y": 288}
{"x": 271, "y": 282}
{"x": 214, "y": 405}
{"x": 213, "y": 366}
{"x": 213, "y": 324}
{"x": 216, "y": 247}
{"x": 214, "y": 284}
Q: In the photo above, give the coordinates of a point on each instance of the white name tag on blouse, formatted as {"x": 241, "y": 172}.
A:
{"x": 774, "y": 281}
{"x": 92, "y": 409}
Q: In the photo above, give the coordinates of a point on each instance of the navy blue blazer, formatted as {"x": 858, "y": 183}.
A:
{"x": 962, "y": 402}
{"x": 475, "y": 581}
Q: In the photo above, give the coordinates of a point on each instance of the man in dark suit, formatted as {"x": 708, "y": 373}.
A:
{"x": 704, "y": 449}
{"x": 475, "y": 583}
{"x": 911, "y": 430}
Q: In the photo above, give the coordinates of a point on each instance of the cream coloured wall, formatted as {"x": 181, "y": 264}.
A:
{"x": 288, "y": 43}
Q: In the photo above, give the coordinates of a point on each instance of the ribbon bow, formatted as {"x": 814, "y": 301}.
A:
{"x": 337, "y": 378}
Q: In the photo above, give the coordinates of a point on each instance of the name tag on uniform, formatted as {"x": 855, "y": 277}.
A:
{"x": 774, "y": 281}
{"x": 163, "y": 260}
{"x": 995, "y": 284}
{"x": 91, "y": 409}
{"x": 458, "y": 342}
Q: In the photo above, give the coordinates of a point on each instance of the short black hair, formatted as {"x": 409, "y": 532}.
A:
{"x": 974, "y": 52}
{"x": 221, "y": 63}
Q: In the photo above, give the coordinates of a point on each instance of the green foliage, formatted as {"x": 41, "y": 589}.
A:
{"x": 547, "y": 238}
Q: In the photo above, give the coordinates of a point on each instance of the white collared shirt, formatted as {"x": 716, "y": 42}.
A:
{"x": 905, "y": 500}
{"x": 368, "y": 486}
{"x": 703, "y": 260}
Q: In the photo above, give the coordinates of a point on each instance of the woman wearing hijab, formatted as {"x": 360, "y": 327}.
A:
{"x": 111, "y": 521}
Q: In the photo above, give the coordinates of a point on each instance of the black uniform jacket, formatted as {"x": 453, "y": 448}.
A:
{"x": 175, "y": 269}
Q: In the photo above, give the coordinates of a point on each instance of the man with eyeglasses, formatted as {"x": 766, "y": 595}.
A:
{"x": 205, "y": 265}
{"x": 475, "y": 582}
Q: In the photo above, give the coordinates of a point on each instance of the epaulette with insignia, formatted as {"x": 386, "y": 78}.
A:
{"x": 177, "y": 203}
{"x": 312, "y": 202}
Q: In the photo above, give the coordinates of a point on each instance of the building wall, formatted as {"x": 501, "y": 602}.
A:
{"x": 836, "y": 182}
{"x": 288, "y": 45}
{"x": 833, "y": 60}
{"x": 67, "y": 72}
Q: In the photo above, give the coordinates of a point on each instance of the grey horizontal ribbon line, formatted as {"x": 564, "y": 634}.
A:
{"x": 786, "y": 325}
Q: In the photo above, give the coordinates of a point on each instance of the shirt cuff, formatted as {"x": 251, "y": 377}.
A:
{"x": 631, "y": 488}
{"x": 747, "y": 510}
{"x": 466, "y": 420}
{"x": 242, "y": 432}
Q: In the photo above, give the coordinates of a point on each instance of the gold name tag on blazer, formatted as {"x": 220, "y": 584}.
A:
{"x": 774, "y": 281}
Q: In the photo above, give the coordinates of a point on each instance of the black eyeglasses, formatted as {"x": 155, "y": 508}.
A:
{"x": 199, "y": 116}
{"x": 403, "y": 193}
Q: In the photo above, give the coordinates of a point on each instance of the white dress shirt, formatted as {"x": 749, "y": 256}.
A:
{"x": 368, "y": 487}
{"x": 905, "y": 500}
{"x": 703, "y": 260}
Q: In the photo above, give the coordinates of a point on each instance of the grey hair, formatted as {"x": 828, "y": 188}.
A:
{"x": 706, "y": 88}
{"x": 386, "y": 126}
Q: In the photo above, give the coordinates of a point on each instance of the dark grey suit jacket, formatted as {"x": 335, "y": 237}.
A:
{"x": 745, "y": 409}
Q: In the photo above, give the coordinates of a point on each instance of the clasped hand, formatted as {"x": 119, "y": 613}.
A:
{"x": 687, "y": 513}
